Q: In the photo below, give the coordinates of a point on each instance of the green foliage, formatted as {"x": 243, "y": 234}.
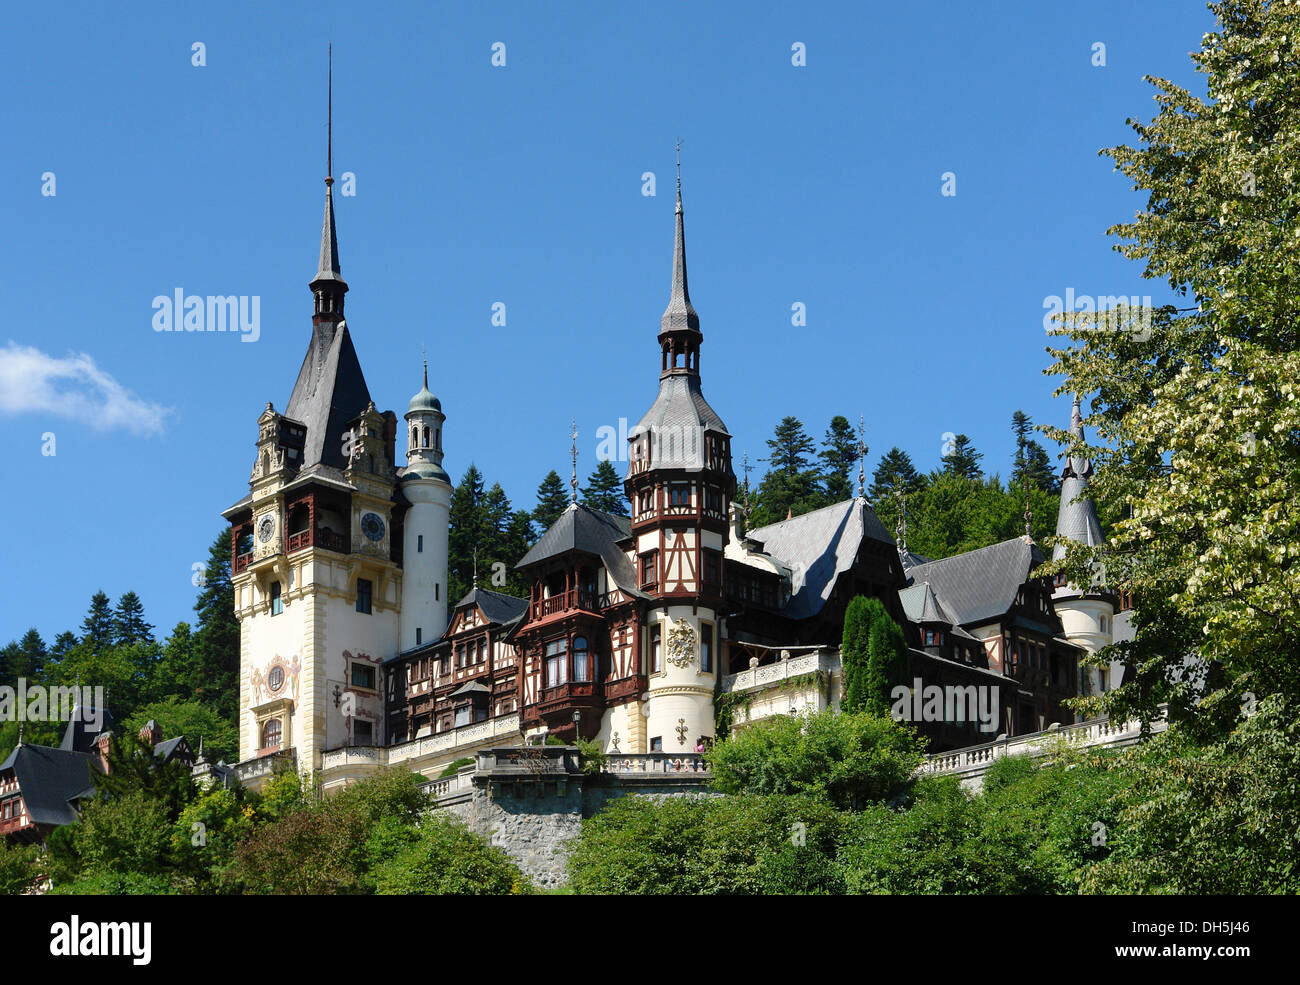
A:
{"x": 849, "y": 759}
{"x": 962, "y": 460}
{"x": 19, "y": 871}
{"x": 895, "y": 476}
{"x": 454, "y": 767}
{"x": 446, "y": 858}
{"x": 130, "y": 833}
{"x": 194, "y": 721}
{"x": 888, "y": 663}
{"x": 791, "y": 483}
{"x": 839, "y": 459}
{"x": 702, "y": 845}
{"x": 1194, "y": 404}
{"x": 552, "y": 500}
{"x": 853, "y": 654}
{"x": 604, "y": 490}
{"x": 134, "y": 770}
{"x": 592, "y": 756}
{"x": 117, "y": 884}
{"x": 485, "y": 532}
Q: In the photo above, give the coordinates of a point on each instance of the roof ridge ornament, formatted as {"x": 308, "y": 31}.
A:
{"x": 573, "y": 452}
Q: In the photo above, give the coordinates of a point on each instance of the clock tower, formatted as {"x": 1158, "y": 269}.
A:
{"x": 317, "y": 552}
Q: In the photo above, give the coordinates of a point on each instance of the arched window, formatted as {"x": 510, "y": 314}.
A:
{"x": 426, "y": 436}
{"x": 271, "y": 734}
{"x": 581, "y": 659}
{"x": 415, "y": 437}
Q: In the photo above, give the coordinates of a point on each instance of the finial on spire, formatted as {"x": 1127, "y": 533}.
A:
{"x": 862, "y": 456}
{"x": 425, "y": 356}
{"x": 678, "y": 149}
{"x": 900, "y": 531}
{"x": 476, "y": 566}
{"x": 329, "y": 125}
{"x": 573, "y": 452}
{"x": 1029, "y": 514}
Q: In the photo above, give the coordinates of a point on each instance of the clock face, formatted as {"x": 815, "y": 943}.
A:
{"x": 372, "y": 525}
{"x": 266, "y": 528}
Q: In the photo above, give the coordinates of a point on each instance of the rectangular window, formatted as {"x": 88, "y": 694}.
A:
{"x": 557, "y": 663}
{"x": 363, "y": 595}
{"x": 656, "y": 656}
{"x": 462, "y": 716}
{"x": 363, "y": 733}
{"x": 706, "y": 648}
{"x": 363, "y": 676}
{"x": 713, "y": 499}
{"x": 419, "y": 635}
{"x": 419, "y": 543}
{"x": 712, "y": 567}
{"x": 649, "y": 569}
{"x": 277, "y": 603}
{"x": 679, "y": 494}
{"x": 645, "y": 500}
{"x": 437, "y": 587}
{"x": 657, "y": 744}
{"x": 482, "y": 651}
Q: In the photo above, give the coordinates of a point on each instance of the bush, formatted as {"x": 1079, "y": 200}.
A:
{"x": 851, "y": 759}
{"x": 18, "y": 868}
{"x": 455, "y": 766}
{"x": 447, "y": 858}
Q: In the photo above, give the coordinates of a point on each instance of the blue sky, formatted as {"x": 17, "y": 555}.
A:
{"x": 522, "y": 184}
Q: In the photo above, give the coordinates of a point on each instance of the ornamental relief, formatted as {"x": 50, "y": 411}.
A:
{"x": 681, "y": 645}
{"x": 279, "y": 681}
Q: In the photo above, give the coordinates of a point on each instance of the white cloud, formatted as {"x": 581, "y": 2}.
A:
{"x": 72, "y": 387}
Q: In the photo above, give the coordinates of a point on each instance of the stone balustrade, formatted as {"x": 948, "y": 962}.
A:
{"x": 794, "y": 666}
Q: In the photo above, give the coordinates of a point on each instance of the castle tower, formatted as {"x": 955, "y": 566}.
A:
{"x": 427, "y": 488}
{"x": 1087, "y": 615}
{"x": 680, "y": 484}
{"x": 316, "y": 576}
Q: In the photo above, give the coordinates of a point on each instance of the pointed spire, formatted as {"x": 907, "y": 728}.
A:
{"x": 900, "y": 531}
{"x": 1029, "y": 513}
{"x": 1077, "y": 517}
{"x": 679, "y": 316}
{"x": 475, "y": 566}
{"x": 328, "y": 284}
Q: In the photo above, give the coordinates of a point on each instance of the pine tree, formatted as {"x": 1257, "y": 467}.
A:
{"x": 888, "y": 663}
{"x": 895, "y": 474}
{"x": 604, "y": 490}
{"x": 1039, "y": 469}
{"x": 129, "y": 624}
{"x": 963, "y": 460}
{"x": 853, "y": 655}
{"x": 839, "y": 457}
{"x": 64, "y": 642}
{"x": 25, "y": 659}
{"x": 552, "y": 500}
{"x": 1021, "y": 425}
{"x": 216, "y": 641}
{"x": 790, "y": 485}
{"x": 468, "y": 523}
{"x": 97, "y": 627}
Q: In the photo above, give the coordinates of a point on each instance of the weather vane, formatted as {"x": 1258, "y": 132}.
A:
{"x": 573, "y": 451}
{"x": 862, "y": 456}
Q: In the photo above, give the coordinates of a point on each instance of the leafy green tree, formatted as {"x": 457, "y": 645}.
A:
{"x": 853, "y": 655}
{"x": 19, "y": 872}
{"x": 64, "y": 642}
{"x": 962, "y": 461}
{"x": 839, "y": 458}
{"x": 552, "y": 500}
{"x": 26, "y": 658}
{"x": 468, "y": 517}
{"x": 446, "y": 858}
{"x": 129, "y": 625}
{"x": 193, "y": 720}
{"x": 127, "y": 834}
{"x": 1193, "y": 403}
{"x": 134, "y": 771}
{"x": 848, "y": 758}
{"x": 604, "y": 490}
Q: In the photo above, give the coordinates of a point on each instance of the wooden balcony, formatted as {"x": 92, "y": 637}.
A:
{"x": 574, "y": 600}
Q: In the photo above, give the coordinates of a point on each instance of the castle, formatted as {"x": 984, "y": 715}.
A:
{"x": 637, "y": 631}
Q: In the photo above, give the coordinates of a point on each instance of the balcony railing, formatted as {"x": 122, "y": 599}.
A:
{"x": 574, "y": 598}
{"x": 241, "y": 562}
{"x": 655, "y": 763}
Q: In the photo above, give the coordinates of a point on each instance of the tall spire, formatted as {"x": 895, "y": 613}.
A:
{"x": 679, "y": 328}
{"x": 328, "y": 285}
{"x": 862, "y": 456}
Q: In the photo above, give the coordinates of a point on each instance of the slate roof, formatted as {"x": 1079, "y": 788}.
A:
{"x": 330, "y": 391}
{"x": 818, "y": 547}
{"x": 580, "y": 528}
{"x": 980, "y": 585}
{"x": 497, "y": 606}
{"x": 49, "y": 778}
{"x": 677, "y": 421}
{"x": 921, "y": 605}
{"x": 84, "y": 727}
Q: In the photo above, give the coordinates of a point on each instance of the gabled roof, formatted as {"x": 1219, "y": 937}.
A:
{"x": 49, "y": 778}
{"x": 171, "y": 748}
{"x": 818, "y": 547}
{"x": 922, "y": 606}
{"x": 330, "y": 391}
{"x": 980, "y": 585}
{"x": 497, "y": 607}
{"x": 580, "y": 528}
{"x": 678, "y": 419}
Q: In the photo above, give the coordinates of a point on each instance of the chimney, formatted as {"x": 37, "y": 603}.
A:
{"x": 151, "y": 732}
{"x": 102, "y": 742}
